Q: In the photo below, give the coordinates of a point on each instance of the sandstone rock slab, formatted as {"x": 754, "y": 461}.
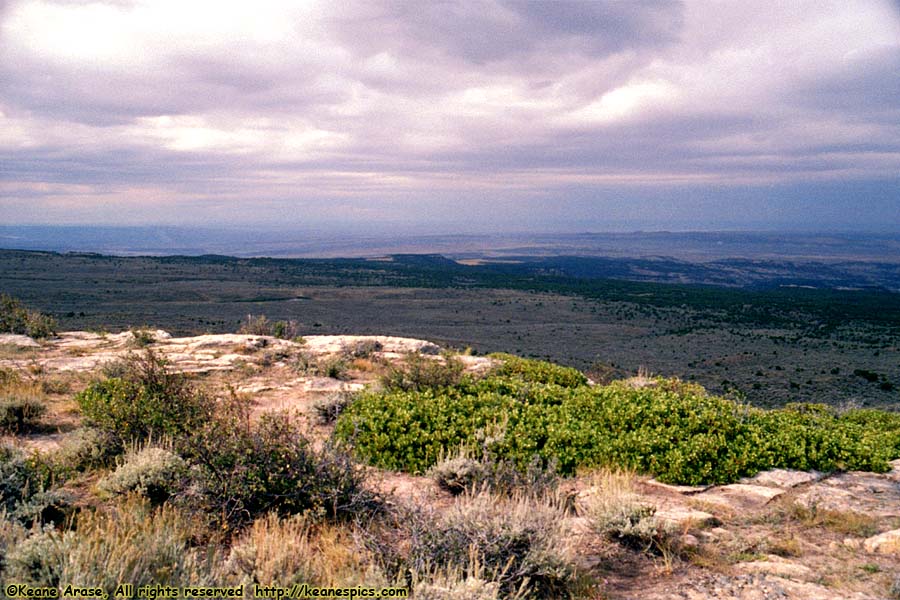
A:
{"x": 14, "y": 339}
{"x": 740, "y": 496}
{"x": 775, "y": 565}
{"x": 884, "y": 543}
{"x": 783, "y": 478}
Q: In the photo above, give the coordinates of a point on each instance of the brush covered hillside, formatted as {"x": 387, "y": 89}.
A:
{"x": 384, "y": 462}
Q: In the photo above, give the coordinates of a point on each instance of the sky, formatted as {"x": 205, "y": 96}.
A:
{"x": 609, "y": 115}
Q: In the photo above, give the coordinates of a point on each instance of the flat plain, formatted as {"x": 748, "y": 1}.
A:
{"x": 771, "y": 346}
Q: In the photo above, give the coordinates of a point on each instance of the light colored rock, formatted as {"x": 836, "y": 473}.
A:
{"x": 782, "y": 478}
{"x": 678, "y": 489}
{"x": 682, "y": 517}
{"x": 254, "y": 388}
{"x": 331, "y": 344}
{"x": 741, "y": 496}
{"x": 852, "y": 543}
{"x": 894, "y": 473}
{"x": 14, "y": 339}
{"x": 326, "y": 384}
{"x": 884, "y": 543}
{"x": 775, "y": 565}
{"x": 689, "y": 542}
{"x": 874, "y": 494}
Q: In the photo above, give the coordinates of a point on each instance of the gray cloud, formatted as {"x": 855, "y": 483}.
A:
{"x": 395, "y": 106}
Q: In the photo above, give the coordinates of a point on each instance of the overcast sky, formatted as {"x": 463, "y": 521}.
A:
{"x": 468, "y": 116}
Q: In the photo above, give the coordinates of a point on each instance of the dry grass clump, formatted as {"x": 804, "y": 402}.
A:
{"x": 85, "y": 449}
{"x": 517, "y": 542}
{"x": 846, "y": 522}
{"x": 22, "y": 402}
{"x": 458, "y": 584}
{"x": 284, "y": 551}
{"x": 330, "y": 408}
{"x": 21, "y": 410}
{"x": 131, "y": 543}
{"x": 463, "y": 472}
{"x": 618, "y": 512}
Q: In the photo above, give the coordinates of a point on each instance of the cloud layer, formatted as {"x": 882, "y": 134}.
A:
{"x": 469, "y": 114}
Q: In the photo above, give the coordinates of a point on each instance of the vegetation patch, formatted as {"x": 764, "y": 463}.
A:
{"x": 518, "y": 543}
{"x": 15, "y": 318}
{"x": 144, "y": 398}
{"x": 672, "y": 430}
{"x": 261, "y": 325}
{"x": 155, "y": 473}
{"x": 21, "y": 408}
{"x": 246, "y": 469}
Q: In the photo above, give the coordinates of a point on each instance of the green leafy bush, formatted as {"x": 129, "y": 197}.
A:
{"x": 15, "y": 318}
{"x": 670, "y": 429}
{"x": 538, "y": 371}
{"x": 145, "y": 399}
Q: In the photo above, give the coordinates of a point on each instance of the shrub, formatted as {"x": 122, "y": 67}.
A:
{"x": 500, "y": 476}
{"x": 141, "y": 338}
{"x": 45, "y": 506}
{"x": 537, "y": 371}
{"x": 25, "y": 492}
{"x": 330, "y": 408}
{"x": 457, "y": 584}
{"x": 334, "y": 366}
{"x": 261, "y": 325}
{"x": 12, "y": 533}
{"x": 85, "y": 449}
{"x": 364, "y": 348}
{"x": 418, "y": 373}
{"x": 274, "y": 552}
{"x": 154, "y": 473}
{"x": 132, "y": 543}
{"x": 21, "y": 411}
{"x": 15, "y": 318}
{"x": 616, "y": 511}
{"x": 18, "y": 480}
{"x": 146, "y": 399}
{"x": 518, "y": 542}
{"x": 248, "y": 469}
{"x": 37, "y": 560}
{"x": 670, "y": 429}
{"x": 459, "y": 473}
